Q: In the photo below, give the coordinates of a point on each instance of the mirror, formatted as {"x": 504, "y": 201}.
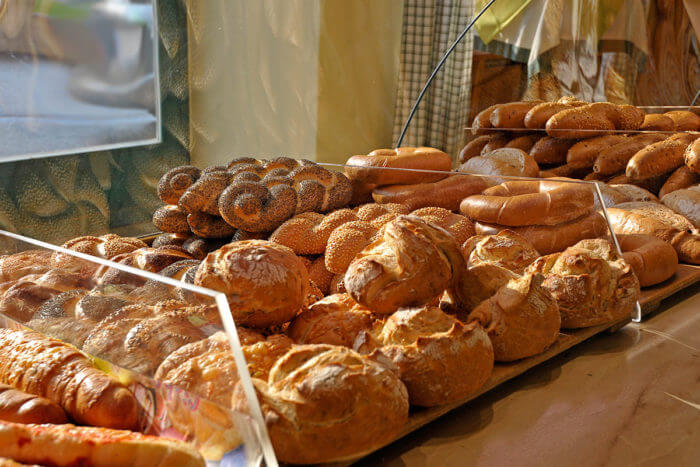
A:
{"x": 77, "y": 76}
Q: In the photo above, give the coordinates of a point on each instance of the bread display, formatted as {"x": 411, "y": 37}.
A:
{"x": 685, "y": 202}
{"x": 19, "y": 407}
{"x": 652, "y": 260}
{"x": 368, "y": 169}
{"x": 523, "y": 203}
{"x": 265, "y": 283}
{"x": 504, "y": 161}
{"x": 506, "y": 249}
{"x": 661, "y": 222}
{"x": 521, "y": 319}
{"x": 591, "y": 283}
{"x": 326, "y": 403}
{"x": 68, "y": 445}
{"x": 64, "y": 375}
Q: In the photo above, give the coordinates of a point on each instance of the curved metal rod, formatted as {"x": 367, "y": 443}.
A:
{"x": 437, "y": 68}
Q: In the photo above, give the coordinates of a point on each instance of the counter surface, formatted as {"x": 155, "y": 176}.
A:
{"x": 630, "y": 398}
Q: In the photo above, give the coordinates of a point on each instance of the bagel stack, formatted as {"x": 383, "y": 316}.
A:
{"x": 550, "y": 215}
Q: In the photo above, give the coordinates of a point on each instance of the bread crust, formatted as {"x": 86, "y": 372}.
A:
{"x": 308, "y": 233}
{"x": 652, "y": 260}
{"x": 659, "y": 158}
{"x": 482, "y": 121}
{"x": 504, "y": 161}
{"x": 506, "y": 249}
{"x": 658, "y": 122}
{"x": 19, "y": 407}
{"x": 170, "y": 218}
{"x": 684, "y": 120}
{"x": 473, "y": 148}
{"x": 369, "y": 168}
{"x": 537, "y": 117}
{"x": 456, "y": 225}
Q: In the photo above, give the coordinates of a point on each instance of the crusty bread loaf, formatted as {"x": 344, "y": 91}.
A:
{"x": 583, "y": 154}
{"x": 658, "y": 122}
{"x": 692, "y": 156}
{"x": 473, "y": 148}
{"x": 504, "y": 161}
{"x": 521, "y": 203}
{"x": 482, "y": 121}
{"x": 549, "y": 150}
{"x": 614, "y": 158}
{"x": 684, "y": 120}
{"x": 511, "y": 114}
{"x": 591, "y": 283}
{"x": 594, "y": 119}
{"x": 59, "y": 372}
{"x": 537, "y": 116}
{"x": 446, "y": 193}
{"x": 506, "y": 249}
{"x": 326, "y": 403}
{"x": 652, "y": 260}
{"x": 19, "y": 407}
{"x": 659, "y": 158}
{"x": 522, "y": 318}
{"x": 498, "y": 140}
{"x": 265, "y": 283}
{"x": 375, "y": 167}
{"x": 524, "y": 142}
{"x": 682, "y": 177}
{"x": 550, "y": 239}
{"x": 685, "y": 202}
{"x": 68, "y": 445}
{"x": 661, "y": 222}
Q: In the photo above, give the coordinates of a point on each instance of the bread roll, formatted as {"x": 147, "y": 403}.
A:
{"x": 504, "y": 161}
{"x": 564, "y": 171}
{"x": 265, "y": 283}
{"x": 446, "y": 193}
{"x": 685, "y": 202}
{"x": 473, "y": 148}
{"x": 176, "y": 181}
{"x": 548, "y": 150}
{"x": 19, "y": 407}
{"x": 591, "y": 283}
{"x": 170, "y": 218}
{"x": 327, "y": 403}
{"x": 372, "y": 167}
{"x": 594, "y": 120}
{"x": 307, "y": 233}
{"x": 67, "y": 445}
{"x": 146, "y": 259}
{"x": 537, "y": 116}
{"x": 506, "y": 249}
{"x": 658, "y": 122}
{"x": 634, "y": 192}
{"x": 681, "y": 178}
{"x": 524, "y": 143}
{"x": 652, "y": 260}
{"x": 692, "y": 157}
{"x": 498, "y": 140}
{"x": 651, "y": 184}
{"x": 659, "y": 158}
{"x": 583, "y": 154}
{"x": 482, "y": 121}
{"x": 661, "y": 222}
{"x": 684, "y": 120}
{"x": 550, "y": 239}
{"x": 521, "y": 203}
{"x": 511, "y": 115}
{"x": 458, "y": 226}
{"x": 615, "y": 158}
{"x": 49, "y": 368}
{"x": 345, "y": 242}
{"x": 522, "y": 318}
{"x": 18, "y": 265}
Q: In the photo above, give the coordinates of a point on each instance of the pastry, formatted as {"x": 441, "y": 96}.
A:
{"x": 504, "y": 161}
{"x": 19, "y": 407}
{"x": 307, "y": 233}
{"x": 265, "y": 283}
{"x": 506, "y": 249}
{"x": 652, "y": 260}
{"x": 591, "y": 283}
{"x": 376, "y": 168}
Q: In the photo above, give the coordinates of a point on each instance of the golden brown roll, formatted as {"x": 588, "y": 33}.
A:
{"x": 658, "y": 122}
{"x": 684, "y": 120}
{"x": 522, "y": 318}
{"x": 307, "y": 233}
{"x": 681, "y": 178}
{"x": 524, "y": 142}
{"x": 477, "y": 283}
{"x": 458, "y": 226}
{"x": 594, "y": 119}
{"x": 537, "y": 116}
{"x": 564, "y": 171}
{"x": 376, "y": 167}
{"x": 106, "y": 247}
{"x": 591, "y": 283}
{"x": 19, "y": 407}
{"x": 506, "y": 249}
{"x": 170, "y": 218}
{"x": 498, "y": 140}
{"x": 327, "y": 403}
{"x": 345, "y": 242}
{"x": 659, "y": 158}
{"x": 583, "y": 154}
{"x": 18, "y": 265}
{"x": 550, "y": 239}
{"x": 521, "y": 203}
{"x": 446, "y": 193}
{"x": 661, "y": 222}
{"x": 404, "y": 266}
{"x": 548, "y": 150}
{"x": 511, "y": 115}
{"x": 482, "y": 121}
{"x": 175, "y": 182}
{"x": 503, "y": 161}
{"x": 334, "y": 320}
{"x": 473, "y": 148}
{"x": 146, "y": 259}
{"x": 319, "y": 275}
{"x": 652, "y": 260}
{"x": 265, "y": 283}
{"x": 440, "y": 359}
{"x": 685, "y": 202}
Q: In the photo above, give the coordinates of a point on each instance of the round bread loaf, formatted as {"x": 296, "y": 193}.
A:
{"x": 652, "y": 260}
{"x": 522, "y": 318}
{"x": 506, "y": 249}
{"x": 265, "y": 283}
{"x": 325, "y": 403}
{"x": 521, "y": 203}
{"x": 376, "y": 168}
{"x": 591, "y": 283}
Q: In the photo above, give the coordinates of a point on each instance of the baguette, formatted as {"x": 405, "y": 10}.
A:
{"x": 692, "y": 156}
{"x": 59, "y": 372}
{"x": 537, "y": 116}
{"x": 652, "y": 260}
{"x": 684, "y": 120}
{"x": 446, "y": 193}
{"x": 583, "y": 154}
{"x": 548, "y": 150}
{"x": 19, "y": 407}
{"x": 69, "y": 445}
{"x": 482, "y": 121}
{"x": 685, "y": 202}
{"x": 658, "y": 122}
{"x": 594, "y": 120}
{"x": 524, "y": 143}
{"x": 473, "y": 148}
{"x": 614, "y": 158}
{"x": 511, "y": 115}
{"x": 551, "y": 239}
{"x": 683, "y": 177}
{"x": 659, "y": 158}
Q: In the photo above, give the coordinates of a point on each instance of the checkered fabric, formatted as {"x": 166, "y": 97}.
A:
{"x": 430, "y": 27}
